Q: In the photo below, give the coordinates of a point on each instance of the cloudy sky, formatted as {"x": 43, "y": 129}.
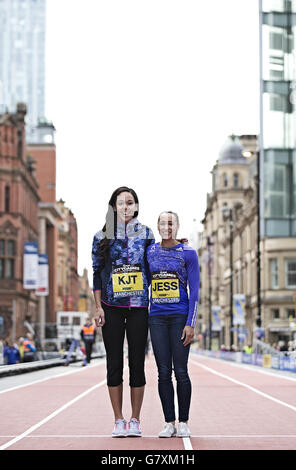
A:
{"x": 144, "y": 94}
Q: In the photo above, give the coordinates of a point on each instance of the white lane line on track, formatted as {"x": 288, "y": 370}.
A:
{"x": 155, "y": 436}
{"x": 52, "y": 415}
{"x": 187, "y": 443}
{"x": 245, "y": 366}
{"x": 265, "y": 395}
{"x": 52, "y": 377}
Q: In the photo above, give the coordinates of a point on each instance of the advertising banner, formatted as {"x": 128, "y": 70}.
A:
{"x": 30, "y": 265}
{"x": 239, "y": 307}
{"x": 216, "y": 318}
{"x": 42, "y": 284}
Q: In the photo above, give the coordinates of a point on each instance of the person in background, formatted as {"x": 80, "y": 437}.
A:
{"x": 172, "y": 317}
{"x": 29, "y": 348}
{"x": 88, "y": 335}
{"x": 75, "y": 346}
{"x": 11, "y": 354}
{"x": 248, "y": 349}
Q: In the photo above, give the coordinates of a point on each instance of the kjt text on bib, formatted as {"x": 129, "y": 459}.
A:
{"x": 127, "y": 280}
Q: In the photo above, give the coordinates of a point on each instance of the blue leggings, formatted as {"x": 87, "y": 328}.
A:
{"x": 170, "y": 353}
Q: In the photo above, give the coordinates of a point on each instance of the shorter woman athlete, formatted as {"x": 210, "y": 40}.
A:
{"x": 172, "y": 317}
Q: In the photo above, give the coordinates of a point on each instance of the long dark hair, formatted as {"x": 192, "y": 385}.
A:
{"x": 110, "y": 228}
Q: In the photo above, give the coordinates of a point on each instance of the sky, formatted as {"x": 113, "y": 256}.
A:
{"x": 144, "y": 94}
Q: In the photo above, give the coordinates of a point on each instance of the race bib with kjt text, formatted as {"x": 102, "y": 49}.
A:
{"x": 127, "y": 280}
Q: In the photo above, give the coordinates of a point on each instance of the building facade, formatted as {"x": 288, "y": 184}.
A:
{"x": 67, "y": 259}
{"x": 277, "y": 146}
{"x": 22, "y": 58}
{"x": 230, "y": 262}
{"x": 19, "y": 200}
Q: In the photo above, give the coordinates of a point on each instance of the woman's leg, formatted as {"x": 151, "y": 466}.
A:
{"x": 113, "y": 335}
{"x": 160, "y": 339}
{"x": 136, "y": 333}
{"x": 115, "y": 394}
{"x": 180, "y": 362}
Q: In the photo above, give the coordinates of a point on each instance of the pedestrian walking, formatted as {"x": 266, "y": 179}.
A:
{"x": 75, "y": 347}
{"x": 172, "y": 318}
{"x": 88, "y": 335}
{"x": 120, "y": 284}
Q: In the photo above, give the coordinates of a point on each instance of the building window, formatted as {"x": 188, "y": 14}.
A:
{"x": 225, "y": 180}
{"x": 235, "y": 180}
{"x": 7, "y": 198}
{"x": 7, "y": 259}
{"x": 291, "y": 314}
{"x": 291, "y": 273}
{"x": 275, "y": 314}
{"x": 274, "y": 273}
{"x": 2, "y": 326}
{"x": 1, "y": 268}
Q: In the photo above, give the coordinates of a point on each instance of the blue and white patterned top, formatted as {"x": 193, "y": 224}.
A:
{"x": 124, "y": 279}
{"x": 171, "y": 269}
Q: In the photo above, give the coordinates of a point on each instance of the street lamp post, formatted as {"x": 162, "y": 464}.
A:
{"x": 227, "y": 214}
{"x": 210, "y": 257}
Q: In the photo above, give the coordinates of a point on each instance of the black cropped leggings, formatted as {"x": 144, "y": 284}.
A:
{"x": 134, "y": 322}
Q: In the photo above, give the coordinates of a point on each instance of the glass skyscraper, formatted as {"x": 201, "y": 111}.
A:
{"x": 278, "y": 118}
{"x": 22, "y": 58}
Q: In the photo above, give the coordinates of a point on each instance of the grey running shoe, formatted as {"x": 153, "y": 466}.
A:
{"x": 183, "y": 430}
{"x": 119, "y": 428}
{"x": 134, "y": 428}
{"x": 169, "y": 430}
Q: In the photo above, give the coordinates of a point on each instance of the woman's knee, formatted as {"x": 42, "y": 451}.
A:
{"x": 164, "y": 373}
{"x": 181, "y": 374}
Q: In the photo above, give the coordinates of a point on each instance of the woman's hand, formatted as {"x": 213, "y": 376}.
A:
{"x": 187, "y": 335}
{"x": 100, "y": 317}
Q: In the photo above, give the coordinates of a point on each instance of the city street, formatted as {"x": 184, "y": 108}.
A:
{"x": 233, "y": 407}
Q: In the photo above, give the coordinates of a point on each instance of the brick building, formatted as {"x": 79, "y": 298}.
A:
{"x": 68, "y": 279}
{"x": 18, "y": 224}
{"x": 43, "y": 155}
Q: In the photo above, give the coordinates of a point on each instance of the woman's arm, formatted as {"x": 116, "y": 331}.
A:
{"x": 100, "y": 314}
{"x": 192, "y": 267}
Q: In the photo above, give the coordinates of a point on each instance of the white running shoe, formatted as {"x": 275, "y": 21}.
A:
{"x": 119, "y": 428}
{"x": 183, "y": 430}
{"x": 169, "y": 430}
{"x": 134, "y": 428}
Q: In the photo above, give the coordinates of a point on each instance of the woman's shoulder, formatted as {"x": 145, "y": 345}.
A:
{"x": 99, "y": 235}
{"x": 153, "y": 247}
{"x": 188, "y": 247}
{"x": 143, "y": 230}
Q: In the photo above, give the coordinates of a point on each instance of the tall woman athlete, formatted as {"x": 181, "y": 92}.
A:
{"x": 172, "y": 317}
{"x": 120, "y": 284}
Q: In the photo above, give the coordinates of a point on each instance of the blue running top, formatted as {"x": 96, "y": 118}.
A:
{"x": 170, "y": 270}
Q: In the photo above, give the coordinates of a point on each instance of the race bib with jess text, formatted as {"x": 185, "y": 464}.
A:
{"x": 165, "y": 287}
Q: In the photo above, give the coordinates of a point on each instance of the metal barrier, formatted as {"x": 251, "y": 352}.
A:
{"x": 282, "y": 361}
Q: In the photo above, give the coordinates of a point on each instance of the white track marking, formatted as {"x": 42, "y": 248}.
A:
{"x": 245, "y": 366}
{"x": 52, "y": 377}
{"x": 52, "y": 415}
{"x": 265, "y": 395}
{"x": 187, "y": 443}
{"x": 155, "y": 436}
